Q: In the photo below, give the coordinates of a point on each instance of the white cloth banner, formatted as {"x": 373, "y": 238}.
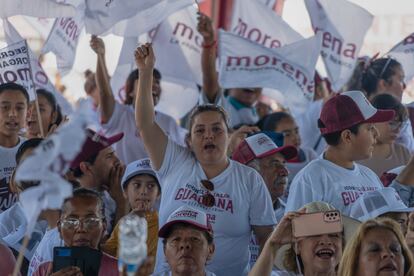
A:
{"x": 256, "y": 22}
{"x": 289, "y": 69}
{"x": 343, "y": 26}
{"x": 404, "y": 53}
{"x": 35, "y": 8}
{"x": 177, "y": 45}
{"x": 147, "y": 19}
{"x": 63, "y": 41}
{"x": 15, "y": 66}
{"x": 49, "y": 161}
{"x": 41, "y": 80}
{"x": 269, "y": 3}
{"x": 41, "y": 25}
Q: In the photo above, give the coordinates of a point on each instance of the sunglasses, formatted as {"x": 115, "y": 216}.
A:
{"x": 208, "y": 199}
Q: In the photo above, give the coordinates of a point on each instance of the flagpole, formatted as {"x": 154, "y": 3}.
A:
{"x": 39, "y": 118}
{"x": 19, "y": 261}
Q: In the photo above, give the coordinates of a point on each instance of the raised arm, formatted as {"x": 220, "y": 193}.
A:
{"x": 106, "y": 98}
{"x": 154, "y": 139}
{"x": 208, "y": 58}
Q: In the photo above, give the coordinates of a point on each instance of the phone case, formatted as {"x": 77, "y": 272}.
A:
{"x": 314, "y": 224}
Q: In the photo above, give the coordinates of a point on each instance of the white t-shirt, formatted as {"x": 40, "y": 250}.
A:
{"x": 110, "y": 209}
{"x": 237, "y": 112}
{"x": 131, "y": 147}
{"x": 44, "y": 251}
{"x": 169, "y": 273}
{"x": 406, "y": 136}
{"x": 242, "y": 200}
{"x": 7, "y": 165}
{"x": 13, "y": 226}
{"x": 322, "y": 180}
{"x": 294, "y": 167}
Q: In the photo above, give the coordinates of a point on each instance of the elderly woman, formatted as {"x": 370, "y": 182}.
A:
{"x": 202, "y": 176}
{"x": 377, "y": 248}
{"x": 308, "y": 255}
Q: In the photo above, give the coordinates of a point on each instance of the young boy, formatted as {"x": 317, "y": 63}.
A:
{"x": 141, "y": 188}
{"x": 14, "y": 101}
{"x": 347, "y": 124}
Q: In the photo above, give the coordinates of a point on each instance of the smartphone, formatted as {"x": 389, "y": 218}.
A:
{"x": 313, "y": 224}
{"x": 87, "y": 259}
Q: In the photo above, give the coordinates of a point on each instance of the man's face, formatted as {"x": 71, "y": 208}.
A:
{"x": 102, "y": 166}
{"x": 274, "y": 173}
{"x": 13, "y": 109}
{"x": 81, "y": 223}
{"x": 187, "y": 251}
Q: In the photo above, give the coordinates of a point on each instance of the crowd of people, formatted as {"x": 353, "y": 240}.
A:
{"x": 223, "y": 191}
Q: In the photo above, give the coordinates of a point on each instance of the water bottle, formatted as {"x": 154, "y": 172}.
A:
{"x": 132, "y": 249}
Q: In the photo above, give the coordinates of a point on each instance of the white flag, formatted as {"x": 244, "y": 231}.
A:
{"x": 147, "y": 19}
{"x": 15, "y": 66}
{"x": 49, "y": 161}
{"x": 343, "y": 26}
{"x": 41, "y": 80}
{"x": 256, "y": 22}
{"x": 177, "y": 44}
{"x": 35, "y": 8}
{"x": 41, "y": 25}
{"x": 63, "y": 41}
{"x": 289, "y": 69}
{"x": 269, "y": 3}
{"x": 404, "y": 53}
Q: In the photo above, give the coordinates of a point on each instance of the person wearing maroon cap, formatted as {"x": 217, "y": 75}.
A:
{"x": 347, "y": 124}
{"x": 98, "y": 168}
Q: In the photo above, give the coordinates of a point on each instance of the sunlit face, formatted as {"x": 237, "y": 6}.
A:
{"x": 92, "y": 226}
{"x": 142, "y": 191}
{"x": 290, "y": 130}
{"x": 101, "y": 168}
{"x": 395, "y": 85}
{"x": 363, "y": 143}
{"x": 380, "y": 254}
{"x": 247, "y": 96}
{"x": 156, "y": 90}
{"x": 13, "y": 109}
{"x": 187, "y": 251}
{"x": 47, "y": 115}
{"x": 320, "y": 254}
{"x": 274, "y": 173}
{"x": 209, "y": 138}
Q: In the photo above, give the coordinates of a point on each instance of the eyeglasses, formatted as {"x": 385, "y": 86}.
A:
{"x": 88, "y": 223}
{"x": 208, "y": 199}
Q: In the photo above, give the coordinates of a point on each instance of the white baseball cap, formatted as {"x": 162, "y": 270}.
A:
{"x": 138, "y": 167}
{"x": 376, "y": 203}
{"x": 187, "y": 215}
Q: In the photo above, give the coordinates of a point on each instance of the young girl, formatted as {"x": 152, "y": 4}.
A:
{"x": 283, "y": 122}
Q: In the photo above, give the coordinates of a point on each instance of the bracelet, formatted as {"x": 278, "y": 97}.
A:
{"x": 212, "y": 44}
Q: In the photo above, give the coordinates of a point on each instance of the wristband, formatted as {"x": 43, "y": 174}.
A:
{"x": 212, "y": 44}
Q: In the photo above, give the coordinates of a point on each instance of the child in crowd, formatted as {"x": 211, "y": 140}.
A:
{"x": 284, "y": 123}
{"x": 387, "y": 154}
{"x": 141, "y": 188}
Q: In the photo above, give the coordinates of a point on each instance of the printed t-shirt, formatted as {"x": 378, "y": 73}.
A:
{"x": 7, "y": 165}
{"x": 238, "y": 113}
{"x": 399, "y": 156}
{"x": 13, "y": 225}
{"x": 242, "y": 200}
{"x": 44, "y": 251}
{"x": 108, "y": 267}
{"x": 322, "y": 180}
{"x": 131, "y": 147}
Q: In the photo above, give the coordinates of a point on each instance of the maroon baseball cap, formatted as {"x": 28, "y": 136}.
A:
{"x": 93, "y": 145}
{"x": 347, "y": 109}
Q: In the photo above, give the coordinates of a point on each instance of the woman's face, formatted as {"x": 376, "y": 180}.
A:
{"x": 380, "y": 254}
{"x": 395, "y": 85}
{"x": 209, "y": 138}
{"x": 47, "y": 115}
{"x": 388, "y": 131}
{"x": 290, "y": 130}
{"x": 320, "y": 254}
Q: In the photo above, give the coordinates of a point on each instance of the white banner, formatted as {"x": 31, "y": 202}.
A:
{"x": 269, "y": 3}
{"x": 147, "y": 19}
{"x": 41, "y": 25}
{"x": 404, "y": 53}
{"x": 41, "y": 80}
{"x": 256, "y": 22}
{"x": 15, "y": 66}
{"x": 48, "y": 163}
{"x": 289, "y": 69}
{"x": 343, "y": 26}
{"x": 63, "y": 41}
{"x": 35, "y": 8}
{"x": 177, "y": 45}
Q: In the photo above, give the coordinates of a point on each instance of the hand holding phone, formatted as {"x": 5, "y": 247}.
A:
{"x": 314, "y": 224}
